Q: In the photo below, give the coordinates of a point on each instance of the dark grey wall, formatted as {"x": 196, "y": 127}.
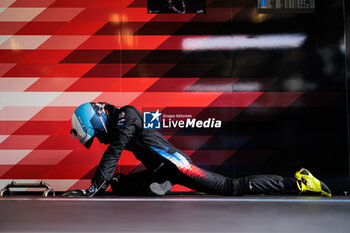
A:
{"x": 313, "y": 131}
{"x": 347, "y": 57}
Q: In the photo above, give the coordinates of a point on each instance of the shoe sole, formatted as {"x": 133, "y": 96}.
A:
{"x": 160, "y": 189}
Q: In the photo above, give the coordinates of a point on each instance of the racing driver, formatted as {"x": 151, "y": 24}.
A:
{"x": 122, "y": 129}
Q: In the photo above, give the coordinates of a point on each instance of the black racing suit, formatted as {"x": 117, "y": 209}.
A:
{"x": 164, "y": 161}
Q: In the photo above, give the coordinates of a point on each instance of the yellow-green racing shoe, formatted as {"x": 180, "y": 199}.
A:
{"x": 307, "y": 182}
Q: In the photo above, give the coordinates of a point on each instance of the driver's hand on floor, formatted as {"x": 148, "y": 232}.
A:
{"x": 81, "y": 192}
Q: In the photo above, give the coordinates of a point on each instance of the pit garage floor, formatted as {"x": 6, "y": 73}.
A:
{"x": 175, "y": 213}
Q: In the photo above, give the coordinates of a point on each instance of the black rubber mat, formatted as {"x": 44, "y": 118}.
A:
{"x": 175, "y": 214}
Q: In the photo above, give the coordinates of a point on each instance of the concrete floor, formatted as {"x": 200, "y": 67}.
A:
{"x": 176, "y": 214}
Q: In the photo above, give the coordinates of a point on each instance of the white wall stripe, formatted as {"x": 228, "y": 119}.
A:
{"x": 63, "y": 99}
{"x": 74, "y": 98}
{"x": 60, "y": 185}
{"x": 16, "y": 84}
{"x": 3, "y": 138}
{"x": 6, "y": 3}
{"x": 27, "y": 98}
{"x": 19, "y": 113}
{"x": 57, "y": 185}
{"x": 5, "y": 182}
{"x": 12, "y": 157}
{"x": 236, "y": 42}
{"x": 19, "y": 14}
{"x": 3, "y": 39}
{"x": 23, "y": 42}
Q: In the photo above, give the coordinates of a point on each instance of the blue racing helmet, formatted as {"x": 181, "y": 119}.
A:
{"x": 87, "y": 120}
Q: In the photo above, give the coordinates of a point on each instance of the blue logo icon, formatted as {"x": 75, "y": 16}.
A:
{"x": 151, "y": 120}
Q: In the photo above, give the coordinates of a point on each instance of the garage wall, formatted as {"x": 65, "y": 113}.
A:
{"x": 276, "y": 82}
